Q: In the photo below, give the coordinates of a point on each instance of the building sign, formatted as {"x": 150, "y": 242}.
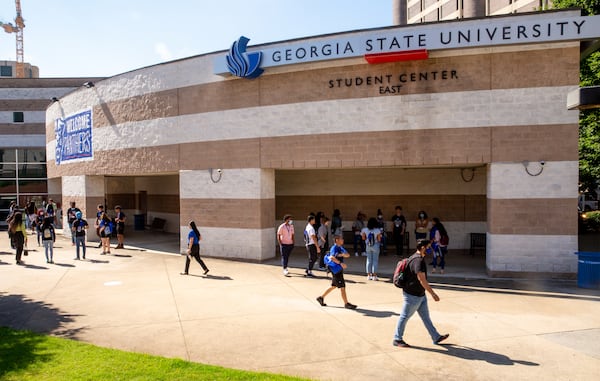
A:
{"x": 74, "y": 137}
{"x": 540, "y": 27}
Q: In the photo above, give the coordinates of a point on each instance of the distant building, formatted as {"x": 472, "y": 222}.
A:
{"x": 420, "y": 11}
{"x": 23, "y": 103}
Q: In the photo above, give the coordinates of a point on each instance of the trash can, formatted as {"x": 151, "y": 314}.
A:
{"x": 588, "y": 269}
{"x": 139, "y": 221}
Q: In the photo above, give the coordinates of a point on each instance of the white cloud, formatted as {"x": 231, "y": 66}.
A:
{"x": 163, "y": 51}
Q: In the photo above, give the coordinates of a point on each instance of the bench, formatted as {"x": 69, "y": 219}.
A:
{"x": 478, "y": 241}
{"x": 157, "y": 224}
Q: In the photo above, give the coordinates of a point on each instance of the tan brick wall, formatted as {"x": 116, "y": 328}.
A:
{"x": 23, "y": 104}
{"x": 474, "y": 72}
{"x": 228, "y": 213}
{"x": 22, "y": 129}
{"x": 553, "y": 216}
{"x": 446, "y": 207}
{"x": 163, "y": 203}
{"x": 518, "y": 143}
{"x": 221, "y": 154}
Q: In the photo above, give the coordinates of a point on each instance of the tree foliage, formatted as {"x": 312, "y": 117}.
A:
{"x": 589, "y": 120}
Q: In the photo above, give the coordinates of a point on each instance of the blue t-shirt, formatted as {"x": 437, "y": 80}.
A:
{"x": 194, "y": 237}
{"x": 334, "y": 252}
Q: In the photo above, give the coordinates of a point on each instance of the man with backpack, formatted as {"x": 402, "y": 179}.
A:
{"x": 70, "y": 218}
{"x": 414, "y": 286}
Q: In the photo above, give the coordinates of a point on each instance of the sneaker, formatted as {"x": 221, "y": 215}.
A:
{"x": 100, "y": 245}
{"x": 401, "y": 343}
{"x": 350, "y": 306}
{"x": 285, "y": 272}
{"x": 356, "y": 254}
{"x": 322, "y": 268}
{"x": 309, "y": 273}
{"x": 375, "y": 277}
{"x": 321, "y": 301}
{"x": 184, "y": 273}
{"x": 441, "y": 338}
{"x": 369, "y": 277}
{"x": 206, "y": 271}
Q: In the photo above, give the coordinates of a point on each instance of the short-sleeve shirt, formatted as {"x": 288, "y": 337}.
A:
{"x": 285, "y": 232}
{"x": 416, "y": 264}
{"x": 309, "y": 232}
{"x": 398, "y": 221}
{"x": 79, "y": 226}
{"x": 374, "y": 232}
{"x": 196, "y": 239}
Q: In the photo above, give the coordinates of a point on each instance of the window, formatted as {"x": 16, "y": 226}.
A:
{"x": 18, "y": 117}
{"x": 5, "y": 71}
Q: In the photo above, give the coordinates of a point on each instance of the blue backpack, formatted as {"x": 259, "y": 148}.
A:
{"x": 371, "y": 239}
{"x": 333, "y": 267}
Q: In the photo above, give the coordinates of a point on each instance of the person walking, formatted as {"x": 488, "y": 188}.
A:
{"x": 39, "y": 221}
{"x": 18, "y": 231}
{"x": 399, "y": 229}
{"x": 415, "y": 299}
{"x": 336, "y": 222}
{"x": 193, "y": 251}
{"x": 120, "y": 219}
{"x": 335, "y": 263}
{"x": 48, "y": 238}
{"x": 357, "y": 227}
{"x": 99, "y": 211}
{"x": 371, "y": 235}
{"x": 285, "y": 237}
{"x": 312, "y": 248}
{"x": 78, "y": 228}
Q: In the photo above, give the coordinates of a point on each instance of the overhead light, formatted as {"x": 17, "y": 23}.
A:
{"x": 54, "y": 99}
{"x": 88, "y": 84}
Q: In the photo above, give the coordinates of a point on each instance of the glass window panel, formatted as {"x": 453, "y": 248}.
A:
{"x": 5, "y": 201}
{"x": 32, "y": 155}
{"x": 18, "y": 117}
{"x": 8, "y": 186}
{"x": 8, "y": 155}
{"x": 33, "y": 186}
{"x": 6, "y": 71}
{"x": 35, "y": 171}
{"x": 8, "y": 170}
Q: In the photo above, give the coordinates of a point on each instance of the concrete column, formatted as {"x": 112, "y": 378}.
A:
{"x": 86, "y": 191}
{"x": 531, "y": 224}
{"x": 399, "y": 11}
{"x": 473, "y": 8}
{"x": 234, "y": 211}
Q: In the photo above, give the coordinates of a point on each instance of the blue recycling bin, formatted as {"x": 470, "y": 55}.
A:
{"x": 588, "y": 269}
{"x": 139, "y": 221}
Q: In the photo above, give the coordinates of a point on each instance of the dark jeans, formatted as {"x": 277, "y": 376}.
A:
{"x": 399, "y": 241}
{"x": 441, "y": 253}
{"x": 324, "y": 251}
{"x": 195, "y": 253}
{"x": 358, "y": 240}
{"x": 286, "y": 250}
{"x": 312, "y": 256}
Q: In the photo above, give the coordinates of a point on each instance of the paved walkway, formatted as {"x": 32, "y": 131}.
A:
{"x": 250, "y": 316}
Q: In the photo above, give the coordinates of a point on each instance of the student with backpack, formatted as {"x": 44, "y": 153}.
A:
{"x": 371, "y": 235}
{"x": 78, "y": 228}
{"x": 415, "y": 284}
{"x": 48, "y": 238}
{"x": 335, "y": 263}
{"x": 105, "y": 227}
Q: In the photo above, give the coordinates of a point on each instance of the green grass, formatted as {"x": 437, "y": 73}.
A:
{"x": 27, "y": 356}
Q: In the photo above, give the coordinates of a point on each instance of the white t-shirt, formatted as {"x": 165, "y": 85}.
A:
{"x": 309, "y": 232}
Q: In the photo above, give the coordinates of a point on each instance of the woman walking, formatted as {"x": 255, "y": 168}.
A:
{"x": 439, "y": 239}
{"x": 194, "y": 238}
{"x": 48, "y": 239}
{"x": 19, "y": 233}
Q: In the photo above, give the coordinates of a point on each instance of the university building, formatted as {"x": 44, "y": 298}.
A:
{"x": 463, "y": 119}
{"x": 23, "y": 103}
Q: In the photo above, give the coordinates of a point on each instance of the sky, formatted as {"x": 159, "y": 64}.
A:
{"x": 102, "y": 38}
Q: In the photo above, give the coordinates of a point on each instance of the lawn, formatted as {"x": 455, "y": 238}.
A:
{"x": 27, "y": 356}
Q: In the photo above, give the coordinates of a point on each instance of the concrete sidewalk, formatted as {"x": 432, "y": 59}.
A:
{"x": 249, "y": 316}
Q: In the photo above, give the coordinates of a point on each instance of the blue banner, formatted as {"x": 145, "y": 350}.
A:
{"x": 74, "y": 137}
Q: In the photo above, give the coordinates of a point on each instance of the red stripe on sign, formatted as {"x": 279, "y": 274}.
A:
{"x": 409, "y": 55}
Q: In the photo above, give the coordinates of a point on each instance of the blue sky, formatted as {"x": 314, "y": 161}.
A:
{"x": 75, "y": 38}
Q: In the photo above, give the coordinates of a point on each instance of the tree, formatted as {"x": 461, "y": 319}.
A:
{"x": 589, "y": 120}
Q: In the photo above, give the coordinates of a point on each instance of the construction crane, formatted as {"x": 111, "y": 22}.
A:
{"x": 18, "y": 30}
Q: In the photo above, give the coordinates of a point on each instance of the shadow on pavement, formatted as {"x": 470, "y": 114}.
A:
{"x": 19, "y": 312}
{"x": 469, "y": 353}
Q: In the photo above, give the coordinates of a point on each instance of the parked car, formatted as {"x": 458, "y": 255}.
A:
{"x": 587, "y": 201}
